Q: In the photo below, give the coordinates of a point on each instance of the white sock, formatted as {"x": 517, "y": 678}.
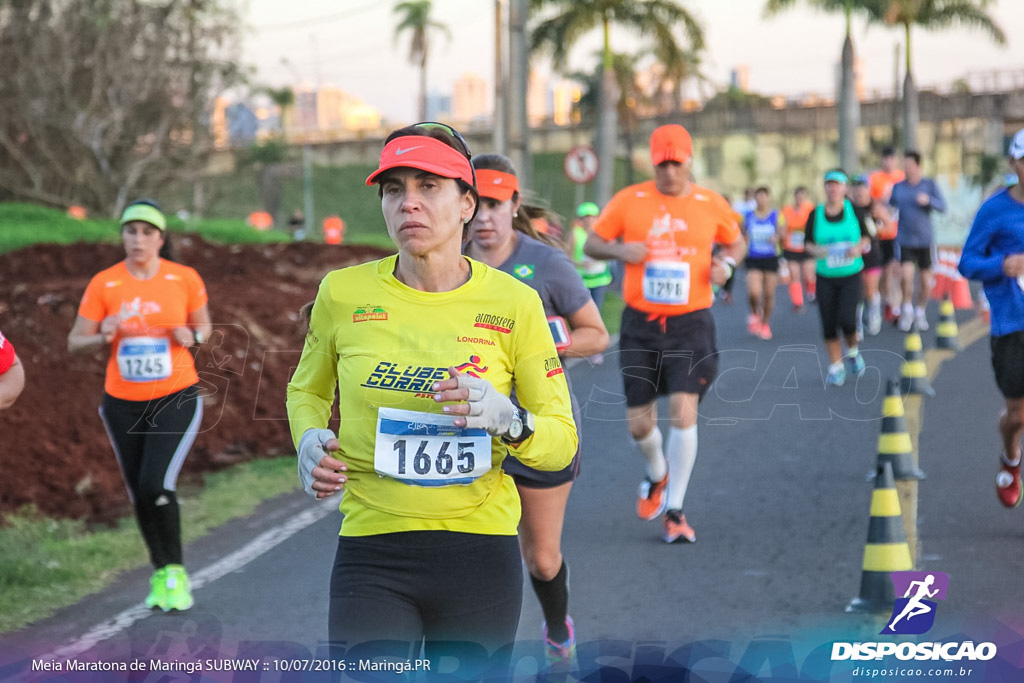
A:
{"x": 919, "y": 311}
{"x": 681, "y": 454}
{"x": 853, "y": 351}
{"x": 650, "y": 448}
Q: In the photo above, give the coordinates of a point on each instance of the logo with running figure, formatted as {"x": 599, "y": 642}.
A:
{"x": 473, "y": 367}
{"x": 914, "y": 613}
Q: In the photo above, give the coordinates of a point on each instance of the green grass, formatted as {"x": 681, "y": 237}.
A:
{"x": 24, "y": 225}
{"x": 611, "y": 311}
{"x": 232, "y": 197}
{"x": 47, "y": 564}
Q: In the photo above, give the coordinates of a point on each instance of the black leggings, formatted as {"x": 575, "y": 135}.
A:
{"x": 837, "y": 303}
{"x": 151, "y": 440}
{"x": 439, "y": 585}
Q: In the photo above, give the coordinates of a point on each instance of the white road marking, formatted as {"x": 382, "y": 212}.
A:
{"x": 225, "y": 565}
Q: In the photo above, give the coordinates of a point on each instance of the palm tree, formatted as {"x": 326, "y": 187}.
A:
{"x": 416, "y": 19}
{"x": 679, "y": 67}
{"x": 848, "y": 106}
{"x": 931, "y": 15}
{"x": 566, "y": 21}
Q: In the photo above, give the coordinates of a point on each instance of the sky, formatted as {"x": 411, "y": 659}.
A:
{"x": 350, "y": 44}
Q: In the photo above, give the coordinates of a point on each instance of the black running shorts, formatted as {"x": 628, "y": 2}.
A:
{"x": 796, "y": 256}
{"x": 874, "y": 258}
{"x": 920, "y": 256}
{"x": 888, "y": 248}
{"x": 769, "y": 264}
{"x": 1008, "y": 363}
{"x": 666, "y": 355}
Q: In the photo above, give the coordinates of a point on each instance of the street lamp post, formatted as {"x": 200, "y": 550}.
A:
{"x": 307, "y": 164}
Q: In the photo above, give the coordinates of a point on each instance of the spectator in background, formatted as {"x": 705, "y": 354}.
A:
{"x": 915, "y": 198}
{"x": 747, "y": 204}
{"x": 297, "y": 225}
{"x": 595, "y": 273}
{"x": 12, "y": 374}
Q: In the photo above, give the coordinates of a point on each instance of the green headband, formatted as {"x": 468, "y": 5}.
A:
{"x": 587, "y": 209}
{"x": 144, "y": 212}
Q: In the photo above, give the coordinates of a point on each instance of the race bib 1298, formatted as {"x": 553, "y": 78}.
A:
{"x": 426, "y": 449}
{"x": 667, "y": 282}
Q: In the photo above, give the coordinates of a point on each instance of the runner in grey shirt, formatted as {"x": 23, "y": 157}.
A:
{"x": 503, "y": 237}
{"x": 915, "y": 198}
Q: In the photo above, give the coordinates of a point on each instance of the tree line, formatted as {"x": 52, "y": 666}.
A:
{"x": 102, "y": 101}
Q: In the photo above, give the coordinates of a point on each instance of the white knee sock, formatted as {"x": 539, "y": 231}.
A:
{"x": 650, "y": 448}
{"x": 681, "y": 454}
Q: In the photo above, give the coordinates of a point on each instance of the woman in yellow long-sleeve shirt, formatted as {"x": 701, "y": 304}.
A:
{"x": 424, "y": 349}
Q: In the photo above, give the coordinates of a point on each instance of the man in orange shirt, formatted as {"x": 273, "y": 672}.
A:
{"x": 881, "y": 183}
{"x": 664, "y": 231}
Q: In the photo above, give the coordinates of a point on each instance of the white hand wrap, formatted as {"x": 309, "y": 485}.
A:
{"x": 488, "y": 409}
{"x": 311, "y": 450}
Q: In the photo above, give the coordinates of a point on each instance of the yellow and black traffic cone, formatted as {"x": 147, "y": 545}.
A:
{"x": 914, "y": 371}
{"x": 894, "y": 445}
{"x": 886, "y": 550}
{"x": 947, "y": 332}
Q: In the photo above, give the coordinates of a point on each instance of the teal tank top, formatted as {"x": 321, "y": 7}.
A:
{"x": 837, "y": 238}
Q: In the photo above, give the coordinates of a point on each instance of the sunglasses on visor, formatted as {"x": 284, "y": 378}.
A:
{"x": 454, "y": 135}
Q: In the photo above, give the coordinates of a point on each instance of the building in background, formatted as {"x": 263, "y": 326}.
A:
{"x": 739, "y": 77}
{"x": 565, "y": 98}
{"x": 439, "y": 106}
{"x": 538, "y": 98}
{"x": 470, "y": 99}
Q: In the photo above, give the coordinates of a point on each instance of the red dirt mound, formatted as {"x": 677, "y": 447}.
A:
{"x": 53, "y": 450}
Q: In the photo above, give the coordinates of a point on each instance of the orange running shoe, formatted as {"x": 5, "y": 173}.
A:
{"x": 676, "y": 528}
{"x": 650, "y": 500}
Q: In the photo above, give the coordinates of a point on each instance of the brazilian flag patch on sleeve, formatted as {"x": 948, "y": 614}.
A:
{"x": 523, "y": 271}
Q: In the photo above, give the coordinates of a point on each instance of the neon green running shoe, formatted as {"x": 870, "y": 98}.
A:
{"x": 157, "y": 589}
{"x": 178, "y": 589}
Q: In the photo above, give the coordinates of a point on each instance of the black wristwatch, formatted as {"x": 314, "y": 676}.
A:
{"x": 521, "y": 428}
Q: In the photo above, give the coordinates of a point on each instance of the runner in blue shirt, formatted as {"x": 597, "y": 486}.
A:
{"x": 994, "y": 254}
{"x": 763, "y": 227}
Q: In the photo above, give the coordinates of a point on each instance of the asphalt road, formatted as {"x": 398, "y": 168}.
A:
{"x": 779, "y": 499}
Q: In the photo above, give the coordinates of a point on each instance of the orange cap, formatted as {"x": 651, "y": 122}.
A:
{"x": 496, "y": 184}
{"x": 671, "y": 143}
{"x": 426, "y": 154}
